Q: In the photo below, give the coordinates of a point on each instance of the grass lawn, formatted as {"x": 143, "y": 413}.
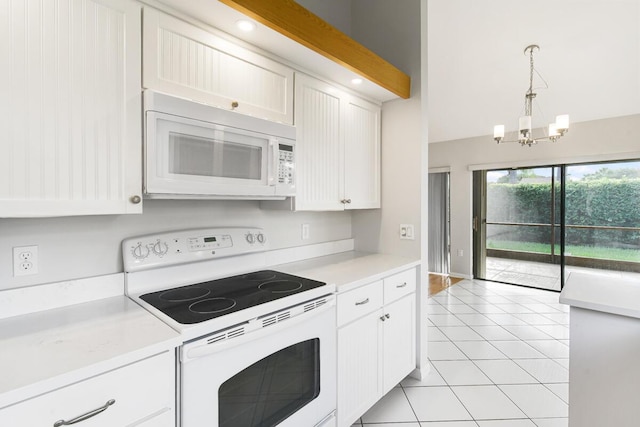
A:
{"x": 599, "y": 252}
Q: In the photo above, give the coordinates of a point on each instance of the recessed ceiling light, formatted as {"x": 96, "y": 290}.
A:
{"x": 356, "y": 81}
{"x": 245, "y": 25}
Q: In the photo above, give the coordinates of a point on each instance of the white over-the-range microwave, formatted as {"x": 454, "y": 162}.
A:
{"x": 195, "y": 151}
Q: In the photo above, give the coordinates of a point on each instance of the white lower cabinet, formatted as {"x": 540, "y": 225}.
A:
{"x": 376, "y": 342}
{"x": 139, "y": 394}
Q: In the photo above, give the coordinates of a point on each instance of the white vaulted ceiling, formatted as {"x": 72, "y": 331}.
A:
{"x": 478, "y": 74}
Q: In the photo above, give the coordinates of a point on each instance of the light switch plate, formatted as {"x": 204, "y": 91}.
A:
{"x": 407, "y": 232}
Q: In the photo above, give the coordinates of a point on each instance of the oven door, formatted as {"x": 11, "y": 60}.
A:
{"x": 191, "y": 157}
{"x": 283, "y": 374}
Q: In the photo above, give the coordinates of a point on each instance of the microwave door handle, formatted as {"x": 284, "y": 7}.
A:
{"x": 273, "y": 164}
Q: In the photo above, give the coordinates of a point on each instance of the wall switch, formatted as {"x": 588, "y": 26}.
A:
{"x": 305, "y": 231}
{"x": 25, "y": 260}
{"x": 407, "y": 232}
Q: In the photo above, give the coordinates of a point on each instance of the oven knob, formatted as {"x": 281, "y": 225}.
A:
{"x": 250, "y": 238}
{"x": 260, "y": 238}
{"x": 140, "y": 252}
{"x": 160, "y": 248}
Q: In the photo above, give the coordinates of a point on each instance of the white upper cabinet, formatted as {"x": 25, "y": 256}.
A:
{"x": 362, "y": 154}
{"x": 186, "y": 61}
{"x": 338, "y": 148}
{"x": 70, "y": 109}
{"x": 319, "y": 145}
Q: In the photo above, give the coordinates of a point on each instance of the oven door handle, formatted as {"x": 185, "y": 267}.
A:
{"x": 201, "y": 348}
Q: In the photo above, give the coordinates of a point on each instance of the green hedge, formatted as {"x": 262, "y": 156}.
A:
{"x": 603, "y": 202}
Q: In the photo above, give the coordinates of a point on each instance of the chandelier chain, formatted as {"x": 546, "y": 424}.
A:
{"x": 528, "y": 99}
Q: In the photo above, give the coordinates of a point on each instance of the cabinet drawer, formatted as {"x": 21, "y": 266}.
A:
{"x": 139, "y": 390}
{"x": 399, "y": 285}
{"x": 359, "y": 302}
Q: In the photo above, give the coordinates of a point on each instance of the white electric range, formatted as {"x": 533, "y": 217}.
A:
{"x": 259, "y": 345}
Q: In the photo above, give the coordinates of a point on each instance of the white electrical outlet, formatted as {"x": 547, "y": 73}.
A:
{"x": 407, "y": 232}
{"x": 25, "y": 260}
{"x": 460, "y": 252}
{"x": 305, "y": 231}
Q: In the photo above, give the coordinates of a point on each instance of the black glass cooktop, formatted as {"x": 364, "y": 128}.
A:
{"x": 204, "y": 301}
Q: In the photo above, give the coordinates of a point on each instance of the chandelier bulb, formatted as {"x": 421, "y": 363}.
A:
{"x": 562, "y": 123}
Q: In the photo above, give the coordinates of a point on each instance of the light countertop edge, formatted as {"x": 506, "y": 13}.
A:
{"x": 600, "y": 292}
{"x": 349, "y": 270}
{"x": 56, "y": 348}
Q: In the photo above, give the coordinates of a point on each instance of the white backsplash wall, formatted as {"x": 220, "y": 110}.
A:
{"x": 75, "y": 247}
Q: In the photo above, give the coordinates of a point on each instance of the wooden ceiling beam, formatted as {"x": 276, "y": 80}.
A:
{"x": 297, "y": 23}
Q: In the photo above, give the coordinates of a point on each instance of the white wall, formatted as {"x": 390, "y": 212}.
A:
{"x": 74, "y": 247}
{"x": 392, "y": 30}
{"x": 335, "y": 12}
{"x": 606, "y": 139}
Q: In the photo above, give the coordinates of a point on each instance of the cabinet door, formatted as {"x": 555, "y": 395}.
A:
{"x": 183, "y": 60}
{"x": 399, "y": 352}
{"x": 359, "y": 365}
{"x": 70, "y": 109}
{"x": 362, "y": 154}
{"x": 319, "y": 155}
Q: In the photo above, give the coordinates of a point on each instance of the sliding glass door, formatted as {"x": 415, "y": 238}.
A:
{"x": 521, "y": 235}
{"x": 524, "y": 217}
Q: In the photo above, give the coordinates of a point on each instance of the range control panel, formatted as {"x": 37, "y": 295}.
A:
{"x": 184, "y": 246}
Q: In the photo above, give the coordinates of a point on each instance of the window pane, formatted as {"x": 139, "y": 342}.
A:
{"x": 603, "y": 216}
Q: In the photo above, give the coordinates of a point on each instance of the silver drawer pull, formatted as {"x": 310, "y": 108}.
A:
{"x": 86, "y": 416}
{"x": 363, "y": 302}
{"x": 401, "y": 286}
{"x": 383, "y": 318}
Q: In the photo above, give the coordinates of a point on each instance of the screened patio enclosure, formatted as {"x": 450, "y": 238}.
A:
{"x": 534, "y": 225}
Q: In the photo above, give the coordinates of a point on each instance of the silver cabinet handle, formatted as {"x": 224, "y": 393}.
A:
{"x": 135, "y": 199}
{"x": 383, "y": 318}
{"x": 401, "y": 286}
{"x": 85, "y": 416}
{"x": 363, "y": 302}
{"x": 387, "y": 315}
{"x": 348, "y": 200}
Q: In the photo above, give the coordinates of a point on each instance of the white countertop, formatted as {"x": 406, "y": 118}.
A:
{"x": 349, "y": 270}
{"x": 603, "y": 293}
{"x": 49, "y": 349}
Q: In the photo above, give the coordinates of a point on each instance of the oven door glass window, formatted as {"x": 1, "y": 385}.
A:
{"x": 272, "y": 389}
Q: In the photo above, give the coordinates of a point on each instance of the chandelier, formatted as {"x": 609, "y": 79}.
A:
{"x": 525, "y": 131}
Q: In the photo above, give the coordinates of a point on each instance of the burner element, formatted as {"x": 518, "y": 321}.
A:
{"x": 260, "y": 276}
{"x": 212, "y": 305}
{"x": 280, "y": 286}
{"x": 184, "y": 294}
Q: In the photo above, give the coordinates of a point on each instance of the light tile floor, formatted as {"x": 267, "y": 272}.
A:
{"x": 499, "y": 358}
